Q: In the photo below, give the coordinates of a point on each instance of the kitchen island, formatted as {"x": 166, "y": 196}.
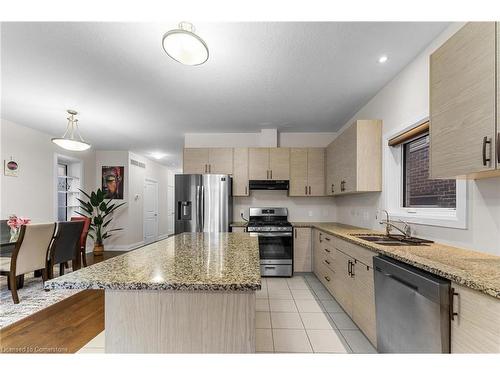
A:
{"x": 190, "y": 293}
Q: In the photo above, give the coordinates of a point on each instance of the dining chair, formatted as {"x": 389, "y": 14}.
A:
{"x": 83, "y": 238}
{"x": 65, "y": 247}
{"x": 29, "y": 254}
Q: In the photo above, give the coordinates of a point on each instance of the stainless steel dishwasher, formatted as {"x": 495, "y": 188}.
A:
{"x": 412, "y": 308}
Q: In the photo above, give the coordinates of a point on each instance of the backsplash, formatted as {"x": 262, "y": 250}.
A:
{"x": 299, "y": 208}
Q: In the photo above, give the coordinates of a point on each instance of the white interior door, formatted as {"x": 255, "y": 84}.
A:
{"x": 150, "y": 211}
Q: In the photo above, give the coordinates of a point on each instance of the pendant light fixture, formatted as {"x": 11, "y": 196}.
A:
{"x": 71, "y": 139}
{"x": 184, "y": 46}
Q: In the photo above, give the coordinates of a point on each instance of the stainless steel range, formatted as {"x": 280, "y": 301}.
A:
{"x": 271, "y": 225}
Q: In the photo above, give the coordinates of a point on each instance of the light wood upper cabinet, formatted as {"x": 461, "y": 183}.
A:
{"x": 307, "y": 172}
{"x": 298, "y": 172}
{"x": 302, "y": 254}
{"x": 330, "y": 169}
{"x": 354, "y": 164}
{"x": 195, "y": 161}
{"x": 258, "y": 163}
{"x": 208, "y": 160}
{"x": 279, "y": 163}
{"x": 476, "y": 327}
{"x": 463, "y": 73}
{"x": 220, "y": 160}
{"x": 316, "y": 171}
{"x": 269, "y": 163}
{"x": 240, "y": 173}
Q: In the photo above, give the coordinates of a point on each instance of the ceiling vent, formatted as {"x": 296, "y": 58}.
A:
{"x": 137, "y": 163}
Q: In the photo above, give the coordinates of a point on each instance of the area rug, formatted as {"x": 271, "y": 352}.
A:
{"x": 32, "y": 298}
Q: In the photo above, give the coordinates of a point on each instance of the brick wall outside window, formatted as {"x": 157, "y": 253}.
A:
{"x": 420, "y": 191}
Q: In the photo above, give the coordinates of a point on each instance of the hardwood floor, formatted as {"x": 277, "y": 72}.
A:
{"x": 64, "y": 327}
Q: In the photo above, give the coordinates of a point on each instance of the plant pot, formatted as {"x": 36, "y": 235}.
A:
{"x": 98, "y": 249}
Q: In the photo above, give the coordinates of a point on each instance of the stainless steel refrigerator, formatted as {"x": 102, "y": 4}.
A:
{"x": 203, "y": 203}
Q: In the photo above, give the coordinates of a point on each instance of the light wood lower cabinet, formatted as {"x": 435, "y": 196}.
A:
{"x": 363, "y": 300}
{"x": 302, "y": 250}
{"x": 239, "y": 229}
{"x": 476, "y": 327}
{"x": 345, "y": 269}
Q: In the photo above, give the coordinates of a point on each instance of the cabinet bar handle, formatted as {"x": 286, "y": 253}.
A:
{"x": 309, "y": 190}
{"x": 327, "y": 250}
{"x": 326, "y": 238}
{"x": 210, "y": 168}
{"x": 349, "y": 267}
{"x": 327, "y": 278}
{"x": 295, "y": 232}
{"x": 332, "y": 188}
{"x": 326, "y": 261}
{"x": 320, "y": 239}
{"x": 271, "y": 171}
{"x": 352, "y": 269}
{"x": 305, "y": 189}
{"x": 485, "y": 159}
{"x": 452, "y": 313}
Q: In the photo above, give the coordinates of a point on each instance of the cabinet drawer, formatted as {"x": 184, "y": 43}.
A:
{"x": 325, "y": 257}
{"x": 355, "y": 251}
{"x": 325, "y": 275}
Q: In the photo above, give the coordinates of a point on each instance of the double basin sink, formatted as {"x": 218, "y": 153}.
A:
{"x": 393, "y": 240}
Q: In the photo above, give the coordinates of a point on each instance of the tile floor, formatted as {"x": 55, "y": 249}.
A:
{"x": 296, "y": 315}
{"x": 299, "y": 315}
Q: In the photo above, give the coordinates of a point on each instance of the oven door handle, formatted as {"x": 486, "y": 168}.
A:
{"x": 273, "y": 234}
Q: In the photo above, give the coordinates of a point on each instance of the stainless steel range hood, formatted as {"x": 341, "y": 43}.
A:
{"x": 268, "y": 184}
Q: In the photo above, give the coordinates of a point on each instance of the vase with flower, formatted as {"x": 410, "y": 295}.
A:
{"x": 15, "y": 224}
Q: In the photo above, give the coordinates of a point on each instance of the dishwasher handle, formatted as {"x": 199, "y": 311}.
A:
{"x": 397, "y": 279}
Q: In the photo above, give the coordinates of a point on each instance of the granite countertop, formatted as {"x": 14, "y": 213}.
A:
{"x": 473, "y": 269}
{"x": 188, "y": 261}
{"x": 239, "y": 224}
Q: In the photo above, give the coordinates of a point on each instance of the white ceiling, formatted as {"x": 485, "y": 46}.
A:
{"x": 132, "y": 96}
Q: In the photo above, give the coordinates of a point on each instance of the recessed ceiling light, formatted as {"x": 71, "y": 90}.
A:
{"x": 382, "y": 59}
{"x": 184, "y": 46}
{"x": 157, "y": 155}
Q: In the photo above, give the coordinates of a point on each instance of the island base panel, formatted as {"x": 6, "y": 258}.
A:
{"x": 150, "y": 321}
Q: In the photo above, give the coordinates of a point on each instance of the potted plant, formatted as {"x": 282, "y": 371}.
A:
{"x": 98, "y": 210}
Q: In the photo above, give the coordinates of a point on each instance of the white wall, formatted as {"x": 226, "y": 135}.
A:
{"x": 403, "y": 102}
{"x": 32, "y": 193}
{"x": 131, "y": 216}
{"x": 299, "y": 208}
{"x": 266, "y": 138}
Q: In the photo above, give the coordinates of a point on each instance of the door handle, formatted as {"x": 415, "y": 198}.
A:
{"x": 486, "y": 160}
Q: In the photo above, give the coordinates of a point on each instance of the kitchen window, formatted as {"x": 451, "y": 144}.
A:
{"x": 418, "y": 189}
{"x": 410, "y": 194}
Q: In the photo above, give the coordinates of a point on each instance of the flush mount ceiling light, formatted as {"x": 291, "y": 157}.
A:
{"x": 382, "y": 59}
{"x": 184, "y": 46}
{"x": 71, "y": 139}
{"x": 158, "y": 155}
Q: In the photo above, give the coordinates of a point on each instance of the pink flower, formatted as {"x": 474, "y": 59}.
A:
{"x": 15, "y": 222}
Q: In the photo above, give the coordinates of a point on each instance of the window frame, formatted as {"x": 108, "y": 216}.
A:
{"x": 433, "y": 216}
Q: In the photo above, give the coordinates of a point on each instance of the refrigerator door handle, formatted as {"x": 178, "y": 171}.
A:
{"x": 202, "y": 215}
{"x": 199, "y": 209}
